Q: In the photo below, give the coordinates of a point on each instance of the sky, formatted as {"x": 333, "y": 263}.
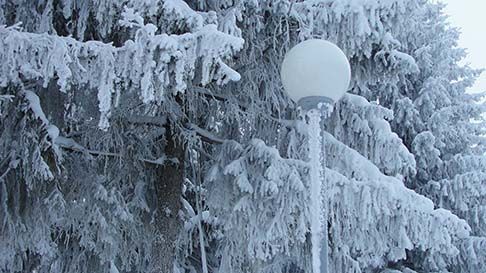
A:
{"x": 470, "y": 17}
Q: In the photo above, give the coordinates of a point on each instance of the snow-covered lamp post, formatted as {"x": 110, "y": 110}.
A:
{"x": 316, "y": 73}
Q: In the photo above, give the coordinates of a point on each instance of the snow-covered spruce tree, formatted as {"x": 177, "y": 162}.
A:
{"x": 433, "y": 117}
{"x": 95, "y": 127}
{"x": 109, "y": 106}
{"x": 402, "y": 54}
{"x": 121, "y": 117}
{"x": 375, "y": 54}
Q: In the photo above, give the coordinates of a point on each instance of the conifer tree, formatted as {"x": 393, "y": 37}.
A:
{"x": 155, "y": 136}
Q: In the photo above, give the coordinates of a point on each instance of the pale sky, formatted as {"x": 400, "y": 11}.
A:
{"x": 470, "y": 16}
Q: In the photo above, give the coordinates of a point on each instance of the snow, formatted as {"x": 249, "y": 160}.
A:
{"x": 374, "y": 200}
{"x": 179, "y": 9}
{"x": 365, "y": 127}
{"x": 316, "y": 189}
{"x": 316, "y": 206}
{"x": 266, "y": 221}
{"x": 113, "y": 268}
{"x": 42, "y": 56}
{"x": 34, "y": 105}
{"x": 401, "y": 180}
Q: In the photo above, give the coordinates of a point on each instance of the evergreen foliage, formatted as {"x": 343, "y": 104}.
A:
{"x": 155, "y": 136}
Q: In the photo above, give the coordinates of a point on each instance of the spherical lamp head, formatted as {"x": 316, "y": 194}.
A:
{"x": 315, "y": 69}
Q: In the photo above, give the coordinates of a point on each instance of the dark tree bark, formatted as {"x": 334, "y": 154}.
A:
{"x": 168, "y": 188}
{"x": 52, "y": 102}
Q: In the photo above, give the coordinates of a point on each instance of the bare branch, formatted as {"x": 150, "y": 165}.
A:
{"x": 70, "y": 144}
{"x": 205, "y": 135}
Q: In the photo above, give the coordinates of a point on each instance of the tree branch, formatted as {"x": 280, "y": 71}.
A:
{"x": 207, "y": 93}
{"x": 70, "y": 144}
{"x": 205, "y": 135}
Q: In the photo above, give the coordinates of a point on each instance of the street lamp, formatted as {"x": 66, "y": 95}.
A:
{"x": 316, "y": 73}
{"x": 315, "y": 70}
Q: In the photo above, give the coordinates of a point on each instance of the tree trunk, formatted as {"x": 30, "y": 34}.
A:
{"x": 169, "y": 191}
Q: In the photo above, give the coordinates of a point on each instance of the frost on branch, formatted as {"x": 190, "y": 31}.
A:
{"x": 356, "y": 24}
{"x": 463, "y": 194}
{"x": 58, "y": 214}
{"x": 453, "y": 129}
{"x": 473, "y": 255}
{"x": 38, "y": 143}
{"x": 368, "y": 208}
{"x": 95, "y": 212}
{"x": 148, "y": 63}
{"x": 364, "y": 127}
{"x": 261, "y": 202}
{"x": 429, "y": 163}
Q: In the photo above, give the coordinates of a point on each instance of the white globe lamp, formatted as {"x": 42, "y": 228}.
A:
{"x": 316, "y": 74}
{"x": 314, "y": 71}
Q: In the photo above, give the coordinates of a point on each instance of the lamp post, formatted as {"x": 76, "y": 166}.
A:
{"x": 316, "y": 73}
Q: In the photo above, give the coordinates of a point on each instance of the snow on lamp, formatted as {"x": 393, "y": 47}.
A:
{"x": 316, "y": 73}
